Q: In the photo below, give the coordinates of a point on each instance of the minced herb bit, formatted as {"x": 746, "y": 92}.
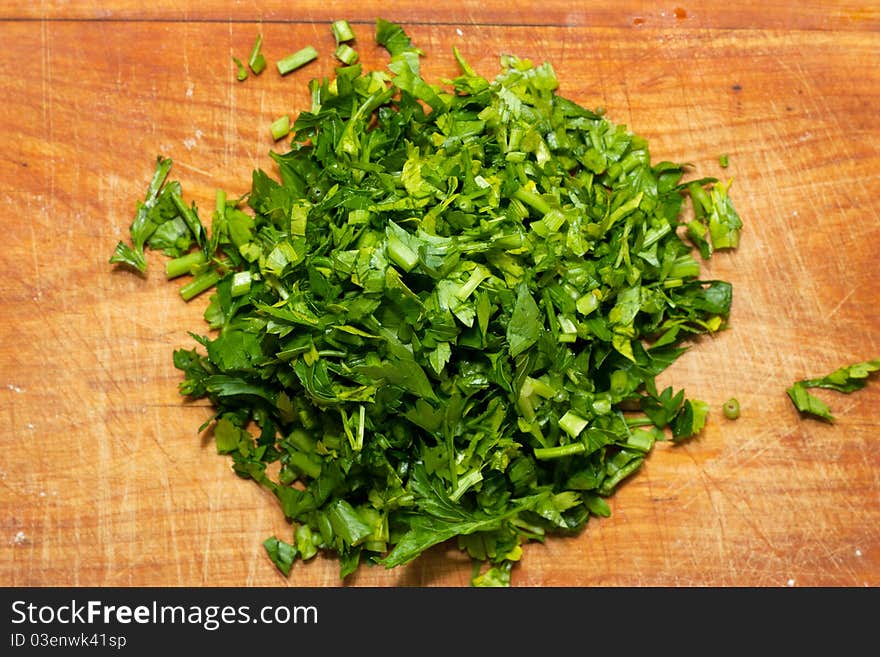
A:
{"x": 342, "y": 31}
{"x": 280, "y": 127}
{"x": 845, "y": 379}
{"x": 257, "y": 60}
{"x": 296, "y": 60}
{"x": 241, "y": 73}
{"x": 731, "y": 408}
{"x": 444, "y": 318}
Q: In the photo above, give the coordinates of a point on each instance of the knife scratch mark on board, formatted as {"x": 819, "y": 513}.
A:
{"x": 104, "y": 512}
{"x": 840, "y": 150}
{"x": 842, "y": 301}
{"x": 46, "y": 95}
{"x": 172, "y": 532}
{"x": 189, "y": 167}
{"x": 185, "y": 52}
{"x": 656, "y": 509}
{"x": 35, "y": 259}
{"x": 726, "y": 505}
{"x": 708, "y": 485}
{"x": 210, "y": 512}
{"x": 229, "y": 123}
{"x": 257, "y": 560}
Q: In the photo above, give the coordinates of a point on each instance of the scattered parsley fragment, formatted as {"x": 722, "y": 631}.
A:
{"x": 241, "y": 73}
{"x": 846, "y": 379}
{"x": 157, "y": 223}
{"x": 257, "y": 60}
{"x": 346, "y": 54}
{"x": 281, "y": 553}
{"x": 280, "y": 127}
{"x": 444, "y": 317}
{"x": 731, "y": 409}
{"x": 344, "y": 35}
{"x": 342, "y": 31}
{"x": 296, "y": 60}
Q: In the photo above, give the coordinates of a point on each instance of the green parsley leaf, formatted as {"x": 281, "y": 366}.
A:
{"x": 846, "y": 379}
{"x": 524, "y": 328}
{"x": 282, "y": 554}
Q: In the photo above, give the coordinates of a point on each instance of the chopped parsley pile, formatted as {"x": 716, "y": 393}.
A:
{"x": 442, "y": 319}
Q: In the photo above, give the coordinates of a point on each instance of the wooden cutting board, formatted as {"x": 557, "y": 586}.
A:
{"x": 104, "y": 479}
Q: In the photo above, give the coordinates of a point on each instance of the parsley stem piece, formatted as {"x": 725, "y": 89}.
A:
{"x": 466, "y": 482}
{"x": 184, "y": 264}
{"x": 533, "y": 200}
{"x": 573, "y": 424}
{"x": 560, "y": 451}
{"x": 731, "y": 408}
{"x": 401, "y": 254}
{"x": 346, "y": 54}
{"x": 342, "y": 31}
{"x": 199, "y": 284}
{"x": 220, "y": 203}
{"x": 241, "y": 283}
{"x": 189, "y": 216}
{"x": 296, "y": 60}
{"x": 477, "y": 276}
{"x": 257, "y": 61}
{"x": 280, "y": 127}
{"x": 702, "y": 202}
{"x": 241, "y": 72}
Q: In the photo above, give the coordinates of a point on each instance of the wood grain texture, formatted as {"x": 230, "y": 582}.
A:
{"x": 760, "y": 14}
{"x": 103, "y": 478}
